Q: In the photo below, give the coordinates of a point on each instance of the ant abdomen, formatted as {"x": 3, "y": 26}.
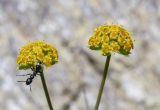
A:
{"x": 28, "y": 81}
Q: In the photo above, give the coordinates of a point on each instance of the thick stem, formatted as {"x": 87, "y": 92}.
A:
{"x": 46, "y": 91}
{"x": 102, "y": 82}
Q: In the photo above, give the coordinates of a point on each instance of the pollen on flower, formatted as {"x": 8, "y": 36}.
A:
{"x": 115, "y": 46}
{"x": 34, "y": 52}
{"x": 110, "y": 39}
{"x": 106, "y": 49}
{"x": 95, "y": 43}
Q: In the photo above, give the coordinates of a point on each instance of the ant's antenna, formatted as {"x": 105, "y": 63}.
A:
{"x": 32, "y": 68}
{"x": 24, "y": 74}
{"x": 20, "y": 75}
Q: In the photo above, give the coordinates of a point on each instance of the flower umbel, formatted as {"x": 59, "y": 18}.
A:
{"x": 35, "y": 52}
{"x": 110, "y": 39}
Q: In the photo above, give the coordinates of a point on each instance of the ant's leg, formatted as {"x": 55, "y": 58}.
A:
{"x": 32, "y": 68}
{"x": 38, "y": 74}
{"x": 30, "y": 88}
{"x": 24, "y": 74}
{"x": 21, "y": 81}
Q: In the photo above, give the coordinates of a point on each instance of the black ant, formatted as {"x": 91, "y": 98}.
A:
{"x": 35, "y": 72}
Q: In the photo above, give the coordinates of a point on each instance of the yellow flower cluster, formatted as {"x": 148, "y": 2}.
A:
{"x": 110, "y": 39}
{"x": 35, "y": 52}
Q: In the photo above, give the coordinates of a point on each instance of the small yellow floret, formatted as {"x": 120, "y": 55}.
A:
{"x": 106, "y": 49}
{"x": 115, "y": 46}
{"x": 95, "y": 42}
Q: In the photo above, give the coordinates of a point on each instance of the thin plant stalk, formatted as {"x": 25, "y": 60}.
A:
{"x": 102, "y": 82}
{"x": 46, "y": 90}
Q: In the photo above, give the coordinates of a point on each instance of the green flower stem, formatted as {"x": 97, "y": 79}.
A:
{"x": 46, "y": 90}
{"x": 102, "y": 82}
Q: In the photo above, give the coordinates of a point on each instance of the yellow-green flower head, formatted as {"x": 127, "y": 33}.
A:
{"x": 111, "y": 39}
{"x": 35, "y": 52}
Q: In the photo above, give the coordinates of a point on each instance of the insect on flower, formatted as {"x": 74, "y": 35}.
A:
{"x": 31, "y": 77}
{"x": 34, "y": 56}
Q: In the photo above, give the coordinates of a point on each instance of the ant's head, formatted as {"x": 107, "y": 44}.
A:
{"x": 38, "y": 66}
